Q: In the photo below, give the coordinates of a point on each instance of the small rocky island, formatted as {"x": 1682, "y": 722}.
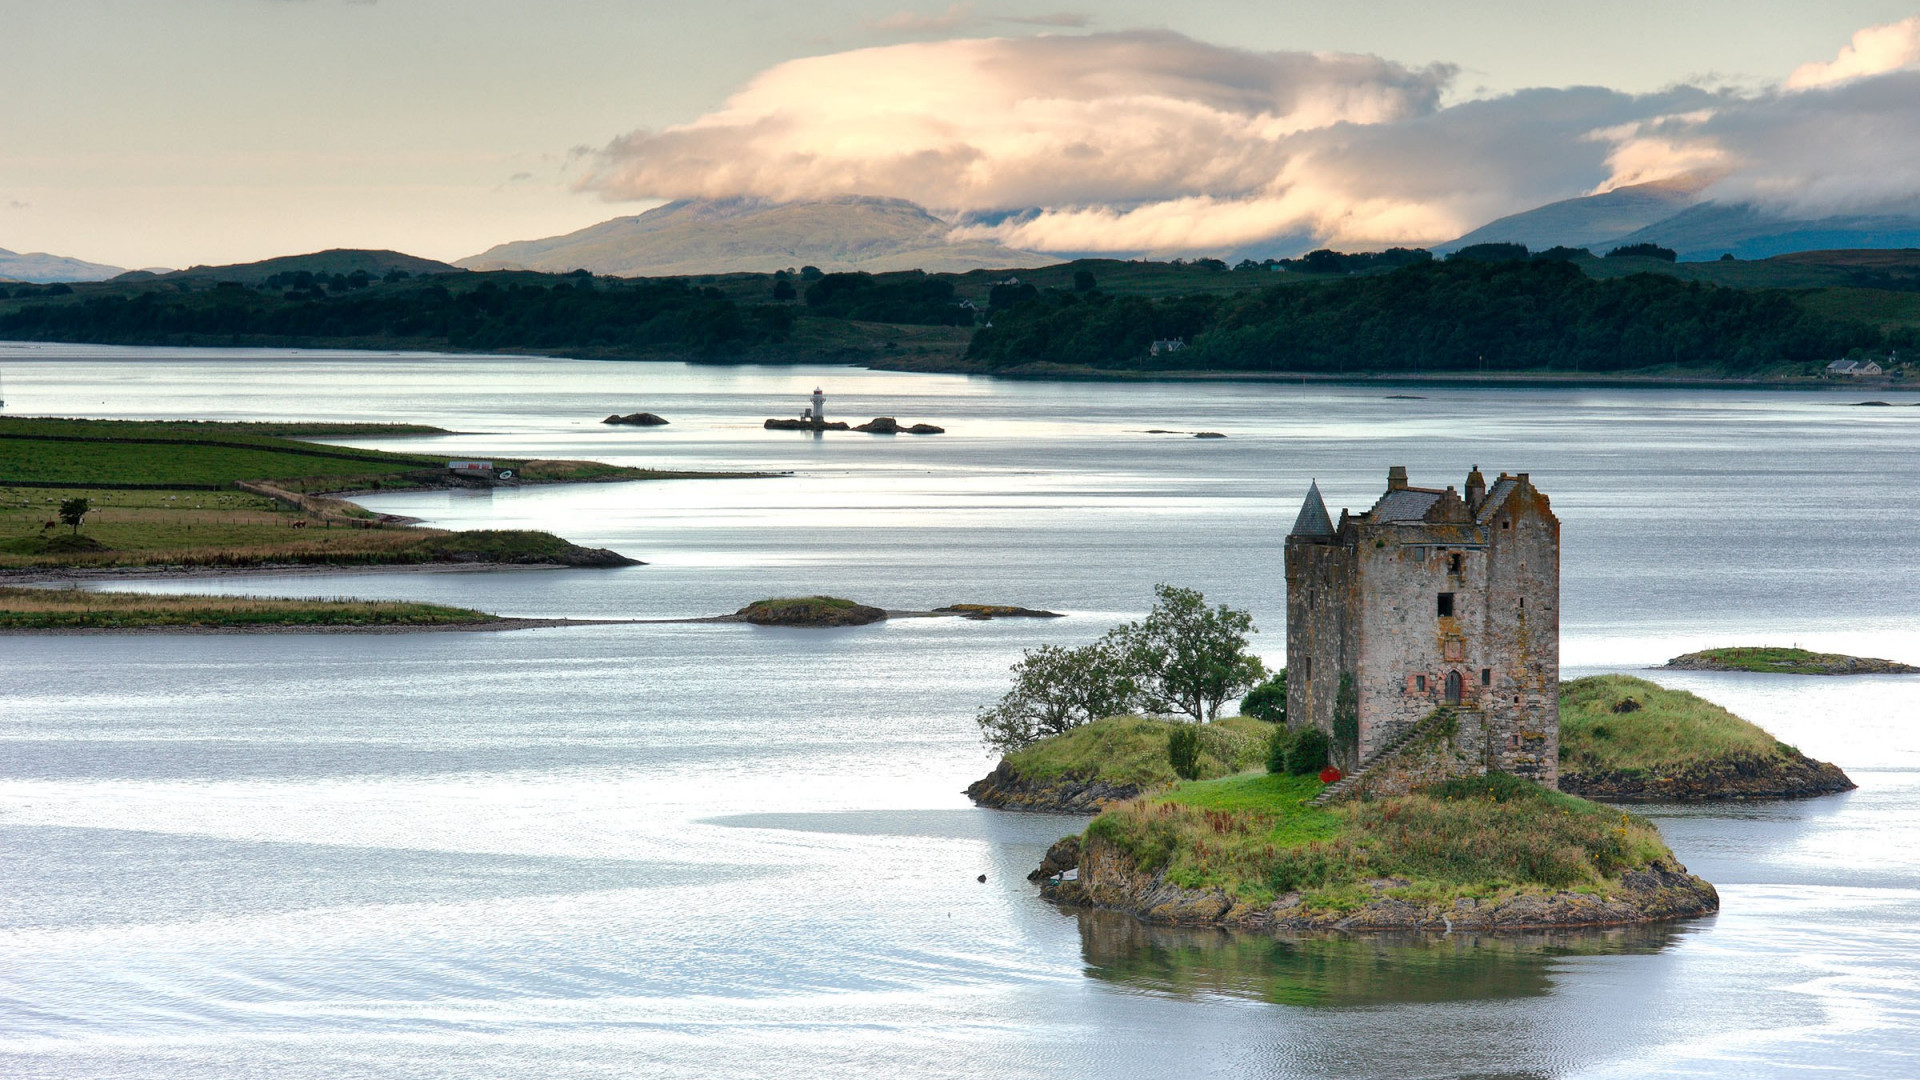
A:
{"x": 808, "y": 611}
{"x": 1778, "y": 661}
{"x": 887, "y": 425}
{"x": 638, "y": 419}
{"x": 1628, "y": 739}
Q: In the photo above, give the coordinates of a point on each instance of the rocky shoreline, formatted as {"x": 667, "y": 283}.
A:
{"x": 1006, "y": 789}
{"x": 1101, "y": 876}
{"x": 1737, "y": 777}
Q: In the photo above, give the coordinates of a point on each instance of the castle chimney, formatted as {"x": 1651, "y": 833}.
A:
{"x": 1476, "y": 489}
{"x": 1396, "y": 478}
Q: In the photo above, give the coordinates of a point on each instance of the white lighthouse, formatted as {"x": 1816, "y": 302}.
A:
{"x": 819, "y": 406}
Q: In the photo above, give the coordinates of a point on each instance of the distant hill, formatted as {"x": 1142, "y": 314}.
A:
{"x": 1710, "y": 230}
{"x": 331, "y": 261}
{"x": 44, "y": 268}
{"x": 1671, "y": 214}
{"x": 754, "y": 236}
{"x": 1589, "y": 221}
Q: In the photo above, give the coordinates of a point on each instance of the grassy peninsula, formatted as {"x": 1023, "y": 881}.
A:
{"x": 1491, "y": 852}
{"x": 199, "y": 495}
{"x": 1626, "y": 738}
{"x": 1113, "y": 760}
{"x": 1774, "y": 660}
{"x": 74, "y": 609}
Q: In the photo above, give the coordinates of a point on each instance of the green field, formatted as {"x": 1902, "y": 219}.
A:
{"x": 167, "y": 493}
{"x": 75, "y": 609}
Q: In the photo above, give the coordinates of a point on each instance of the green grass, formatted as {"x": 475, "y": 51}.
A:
{"x": 73, "y": 609}
{"x": 1670, "y": 730}
{"x": 1132, "y": 750}
{"x": 1255, "y": 837}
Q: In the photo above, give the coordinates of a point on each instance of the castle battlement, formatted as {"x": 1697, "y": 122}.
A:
{"x": 1431, "y": 600}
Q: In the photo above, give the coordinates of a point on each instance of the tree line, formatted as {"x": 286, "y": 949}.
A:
{"x": 575, "y": 312}
{"x": 1461, "y": 315}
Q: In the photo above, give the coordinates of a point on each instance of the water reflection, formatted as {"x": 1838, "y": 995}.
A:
{"x": 1344, "y": 971}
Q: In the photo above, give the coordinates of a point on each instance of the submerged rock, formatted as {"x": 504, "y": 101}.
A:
{"x": 996, "y": 611}
{"x": 638, "y": 419}
{"x": 804, "y": 425}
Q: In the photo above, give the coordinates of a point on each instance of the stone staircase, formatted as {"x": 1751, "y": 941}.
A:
{"x": 1340, "y": 788}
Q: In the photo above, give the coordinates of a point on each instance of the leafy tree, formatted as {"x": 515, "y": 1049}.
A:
{"x": 74, "y": 511}
{"x": 1278, "y": 744}
{"x": 1055, "y": 690}
{"x": 1004, "y": 295}
{"x": 1186, "y": 657}
{"x": 1268, "y": 701}
{"x": 1083, "y": 281}
{"x": 783, "y": 289}
{"x": 1183, "y": 751}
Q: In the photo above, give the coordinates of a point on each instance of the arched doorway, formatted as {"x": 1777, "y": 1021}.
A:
{"x": 1453, "y": 688}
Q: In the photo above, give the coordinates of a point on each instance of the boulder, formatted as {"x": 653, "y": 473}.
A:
{"x": 881, "y": 425}
{"x": 926, "y": 429}
{"x": 639, "y": 419}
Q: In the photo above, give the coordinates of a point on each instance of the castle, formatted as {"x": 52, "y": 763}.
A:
{"x": 1424, "y": 635}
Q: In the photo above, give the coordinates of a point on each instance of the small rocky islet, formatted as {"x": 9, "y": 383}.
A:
{"x": 1774, "y": 660}
{"x": 833, "y": 611}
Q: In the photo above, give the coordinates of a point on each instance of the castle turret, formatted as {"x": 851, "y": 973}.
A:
{"x": 1313, "y": 522}
{"x": 1476, "y": 489}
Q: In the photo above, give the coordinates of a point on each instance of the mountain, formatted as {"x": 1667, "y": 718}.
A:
{"x": 1589, "y": 221}
{"x": 1672, "y": 214}
{"x": 41, "y": 267}
{"x": 332, "y": 261}
{"x": 1710, "y": 230}
{"x": 751, "y": 235}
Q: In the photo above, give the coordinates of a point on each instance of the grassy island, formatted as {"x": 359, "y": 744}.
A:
{"x": 74, "y": 609}
{"x": 1115, "y": 759}
{"x": 1492, "y": 852}
{"x": 193, "y": 494}
{"x": 1773, "y": 660}
{"x": 809, "y": 611}
{"x": 1626, "y": 738}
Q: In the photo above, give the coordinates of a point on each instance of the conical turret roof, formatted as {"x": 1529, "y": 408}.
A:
{"x": 1313, "y": 521}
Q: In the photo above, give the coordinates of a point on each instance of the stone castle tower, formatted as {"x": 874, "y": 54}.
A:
{"x": 1435, "y": 615}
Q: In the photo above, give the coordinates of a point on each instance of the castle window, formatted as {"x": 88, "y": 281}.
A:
{"x": 1523, "y": 603}
{"x": 1306, "y": 668}
{"x": 1486, "y": 676}
{"x": 1420, "y": 683}
{"x": 1453, "y": 563}
{"x": 1506, "y": 524}
{"x": 1446, "y": 605}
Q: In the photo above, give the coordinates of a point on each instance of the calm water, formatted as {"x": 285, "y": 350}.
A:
{"x": 718, "y": 850}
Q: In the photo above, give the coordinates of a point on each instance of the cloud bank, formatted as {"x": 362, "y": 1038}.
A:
{"x": 1148, "y": 141}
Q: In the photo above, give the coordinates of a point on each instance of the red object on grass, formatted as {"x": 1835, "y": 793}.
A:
{"x": 1329, "y": 774}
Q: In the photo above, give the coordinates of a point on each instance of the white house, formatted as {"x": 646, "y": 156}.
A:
{"x": 1855, "y": 367}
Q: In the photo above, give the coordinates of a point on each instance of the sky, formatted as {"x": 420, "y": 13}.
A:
{"x": 178, "y": 132}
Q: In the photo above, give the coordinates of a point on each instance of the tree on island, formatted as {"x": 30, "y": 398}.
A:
{"x": 1189, "y": 658}
{"x": 1183, "y": 658}
{"x": 1056, "y": 690}
{"x": 74, "y": 511}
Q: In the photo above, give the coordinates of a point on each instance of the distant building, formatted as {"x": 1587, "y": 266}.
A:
{"x": 1430, "y": 613}
{"x": 1166, "y": 345}
{"x": 1855, "y": 367}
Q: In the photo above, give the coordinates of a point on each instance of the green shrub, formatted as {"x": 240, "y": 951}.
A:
{"x": 1268, "y": 701}
{"x": 1278, "y": 744}
{"x": 1307, "y": 754}
{"x": 1183, "y": 751}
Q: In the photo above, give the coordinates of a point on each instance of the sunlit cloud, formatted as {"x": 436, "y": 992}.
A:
{"x": 1873, "y": 51}
{"x": 1148, "y": 141}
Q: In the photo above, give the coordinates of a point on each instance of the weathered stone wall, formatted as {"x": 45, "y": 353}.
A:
{"x": 1445, "y": 748}
{"x": 1522, "y": 627}
{"x": 1320, "y": 603}
{"x": 1407, "y": 649}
